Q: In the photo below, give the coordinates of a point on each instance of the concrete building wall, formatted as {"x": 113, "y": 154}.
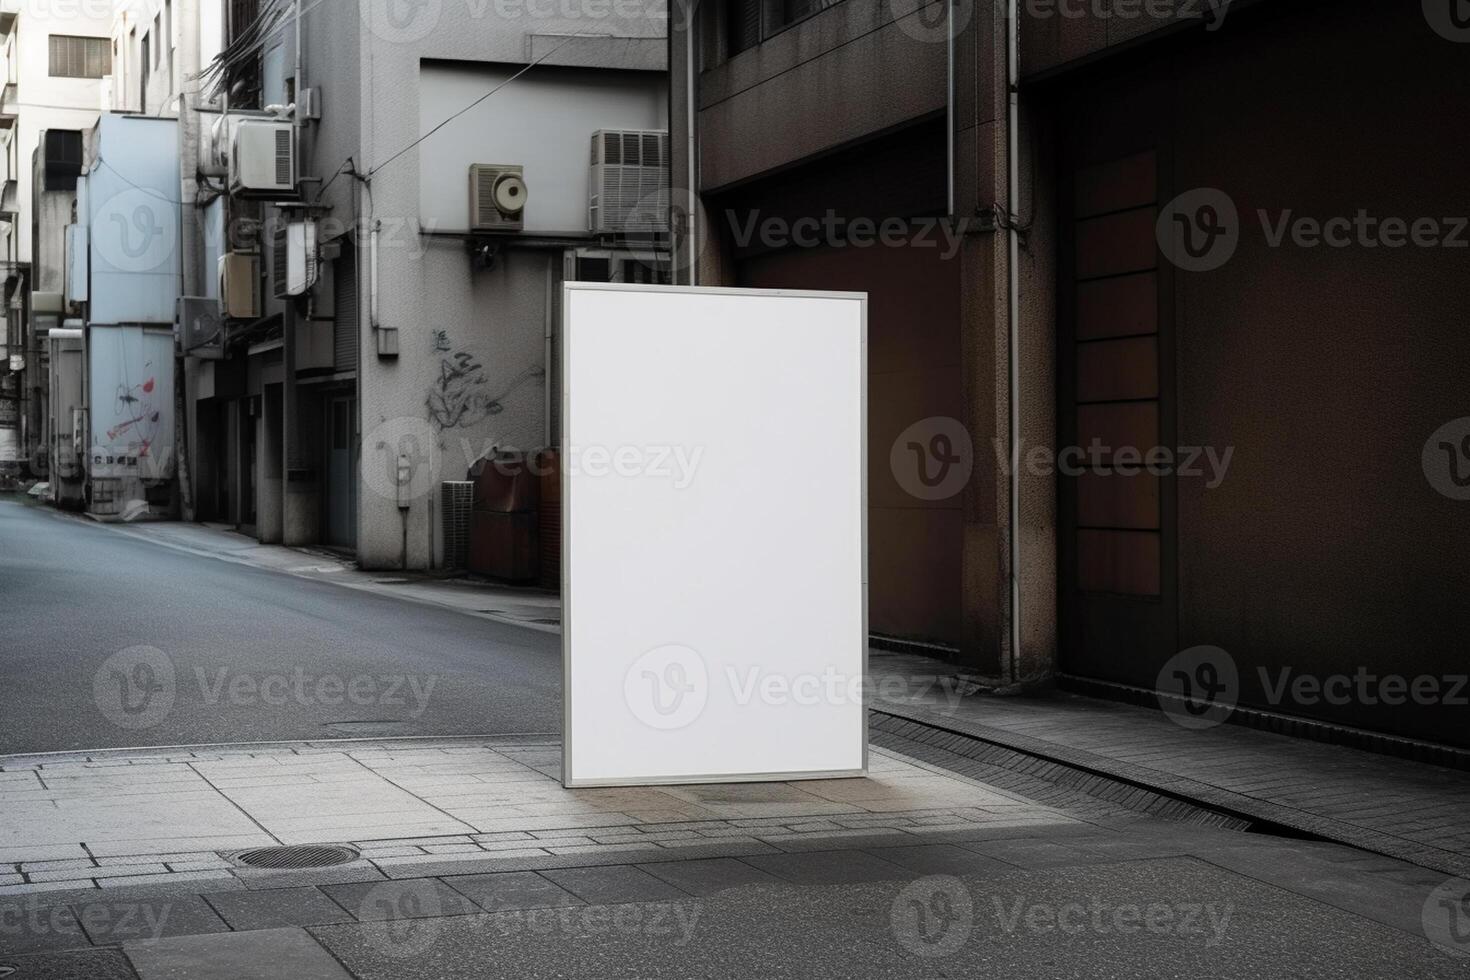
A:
{"x": 156, "y": 22}
{"x": 44, "y": 102}
{"x": 495, "y": 316}
{"x": 846, "y": 84}
{"x": 777, "y": 102}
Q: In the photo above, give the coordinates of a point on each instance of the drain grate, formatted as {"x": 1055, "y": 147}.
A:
{"x": 296, "y": 856}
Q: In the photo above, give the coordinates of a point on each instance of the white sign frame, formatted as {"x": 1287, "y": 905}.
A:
{"x": 570, "y": 776}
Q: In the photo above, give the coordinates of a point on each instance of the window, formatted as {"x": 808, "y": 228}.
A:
{"x": 80, "y": 57}
{"x": 743, "y": 25}
{"x": 749, "y": 22}
{"x": 144, "y": 63}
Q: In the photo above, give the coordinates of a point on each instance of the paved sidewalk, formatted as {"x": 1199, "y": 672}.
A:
{"x": 912, "y": 872}
{"x": 521, "y": 606}
{"x": 1408, "y": 810}
{"x": 121, "y": 818}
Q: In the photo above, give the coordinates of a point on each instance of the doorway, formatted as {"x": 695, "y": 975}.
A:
{"x": 341, "y": 470}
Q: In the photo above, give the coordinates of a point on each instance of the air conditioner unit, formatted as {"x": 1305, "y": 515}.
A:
{"x": 293, "y": 258}
{"x": 214, "y": 147}
{"x": 262, "y": 160}
{"x": 239, "y": 285}
{"x": 628, "y": 195}
{"x": 201, "y": 328}
{"x": 497, "y": 197}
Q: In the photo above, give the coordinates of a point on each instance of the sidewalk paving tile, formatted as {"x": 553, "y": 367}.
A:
{"x": 508, "y": 890}
{"x": 276, "y": 908}
{"x": 613, "y": 884}
{"x": 392, "y": 900}
{"x": 706, "y": 876}
{"x": 112, "y": 921}
{"x": 270, "y": 954}
{"x": 35, "y": 930}
{"x": 96, "y": 964}
{"x": 827, "y": 867}
{"x": 940, "y": 859}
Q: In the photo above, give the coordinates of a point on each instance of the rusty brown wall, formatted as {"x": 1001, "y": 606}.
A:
{"x": 913, "y": 351}
{"x": 1326, "y": 548}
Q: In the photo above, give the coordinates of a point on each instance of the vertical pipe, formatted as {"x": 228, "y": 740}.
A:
{"x": 187, "y": 18}
{"x": 1013, "y": 315}
{"x": 546, "y": 349}
{"x": 691, "y": 71}
{"x": 372, "y": 268}
{"x": 949, "y": 111}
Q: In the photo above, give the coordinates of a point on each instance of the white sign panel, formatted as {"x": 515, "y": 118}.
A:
{"x": 714, "y": 534}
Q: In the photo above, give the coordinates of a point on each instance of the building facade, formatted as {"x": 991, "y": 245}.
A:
{"x": 1169, "y": 247}
{"x": 425, "y": 336}
{"x": 53, "y": 63}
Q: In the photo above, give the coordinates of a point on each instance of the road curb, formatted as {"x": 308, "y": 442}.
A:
{"x": 1264, "y": 813}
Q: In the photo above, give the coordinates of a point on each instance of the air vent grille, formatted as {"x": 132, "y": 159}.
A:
{"x": 283, "y": 156}
{"x": 459, "y": 497}
{"x": 488, "y": 210}
{"x": 629, "y": 193}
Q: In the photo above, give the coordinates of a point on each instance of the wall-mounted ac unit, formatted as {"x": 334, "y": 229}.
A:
{"x": 214, "y": 146}
{"x": 239, "y": 285}
{"x": 628, "y": 194}
{"x": 497, "y": 197}
{"x": 293, "y": 258}
{"x": 201, "y": 328}
{"x": 262, "y": 160}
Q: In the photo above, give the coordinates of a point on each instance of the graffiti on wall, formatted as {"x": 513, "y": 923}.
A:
{"x": 136, "y": 415}
{"x": 132, "y": 392}
{"x": 463, "y": 396}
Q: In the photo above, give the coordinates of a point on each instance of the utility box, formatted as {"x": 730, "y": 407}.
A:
{"x": 503, "y": 517}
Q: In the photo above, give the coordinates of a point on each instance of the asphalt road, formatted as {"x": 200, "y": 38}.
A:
{"x": 110, "y": 641}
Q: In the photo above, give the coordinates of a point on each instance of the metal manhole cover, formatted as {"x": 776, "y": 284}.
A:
{"x": 296, "y": 856}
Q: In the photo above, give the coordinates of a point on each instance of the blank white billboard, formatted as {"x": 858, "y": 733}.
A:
{"x": 714, "y": 565}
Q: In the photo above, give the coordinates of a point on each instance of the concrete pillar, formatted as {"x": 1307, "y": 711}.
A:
{"x": 301, "y": 503}
{"x": 270, "y": 458}
{"x": 980, "y": 184}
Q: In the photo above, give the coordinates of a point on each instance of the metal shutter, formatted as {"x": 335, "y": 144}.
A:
{"x": 345, "y": 332}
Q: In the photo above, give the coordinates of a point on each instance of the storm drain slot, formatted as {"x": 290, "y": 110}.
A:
{"x": 296, "y": 856}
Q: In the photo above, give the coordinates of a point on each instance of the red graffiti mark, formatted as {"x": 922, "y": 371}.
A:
{"x": 148, "y": 386}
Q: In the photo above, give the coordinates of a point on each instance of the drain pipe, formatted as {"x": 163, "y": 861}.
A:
{"x": 547, "y": 333}
{"x": 1013, "y": 316}
{"x": 691, "y": 75}
{"x": 949, "y": 112}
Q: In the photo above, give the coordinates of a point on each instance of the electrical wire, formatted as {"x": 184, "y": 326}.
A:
{"x": 569, "y": 39}
{"x": 344, "y": 165}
